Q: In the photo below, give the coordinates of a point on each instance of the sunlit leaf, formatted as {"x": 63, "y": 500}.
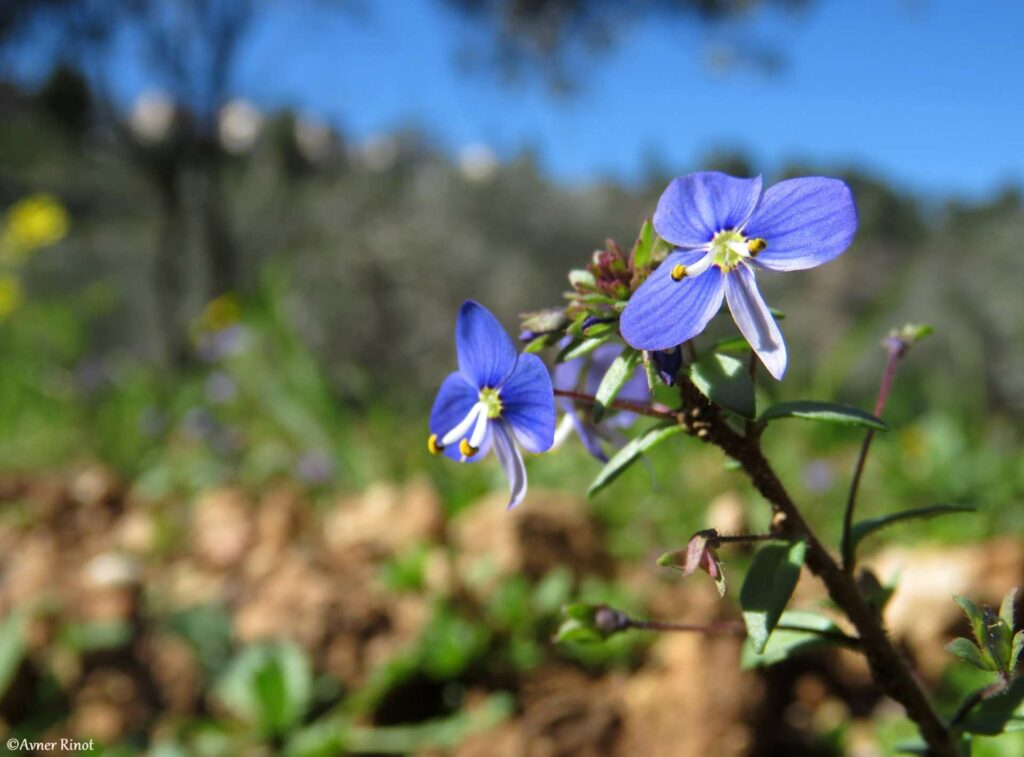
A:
{"x": 630, "y": 453}
{"x": 580, "y": 347}
{"x": 967, "y": 651}
{"x": 798, "y": 631}
{"x": 618, "y": 373}
{"x": 824, "y": 412}
{"x": 724, "y": 380}
{"x": 990, "y": 716}
{"x": 767, "y": 587}
{"x": 867, "y": 527}
{"x": 269, "y": 686}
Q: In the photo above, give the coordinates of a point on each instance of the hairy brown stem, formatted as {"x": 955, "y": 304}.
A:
{"x": 888, "y": 667}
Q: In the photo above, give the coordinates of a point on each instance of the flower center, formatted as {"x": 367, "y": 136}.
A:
{"x": 728, "y": 249}
{"x": 490, "y": 400}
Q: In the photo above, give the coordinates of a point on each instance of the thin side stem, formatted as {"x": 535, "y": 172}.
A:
{"x": 725, "y": 627}
{"x": 633, "y": 407}
{"x": 742, "y": 538}
{"x": 897, "y": 349}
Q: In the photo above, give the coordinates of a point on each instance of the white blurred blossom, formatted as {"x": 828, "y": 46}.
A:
{"x": 152, "y": 116}
{"x": 238, "y": 125}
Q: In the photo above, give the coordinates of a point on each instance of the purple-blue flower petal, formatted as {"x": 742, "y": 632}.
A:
{"x": 454, "y": 401}
{"x": 755, "y": 320}
{"x": 806, "y": 222}
{"x": 486, "y": 353}
{"x": 588, "y": 435}
{"x": 528, "y": 404}
{"x": 696, "y": 206}
{"x": 511, "y": 460}
{"x": 663, "y": 312}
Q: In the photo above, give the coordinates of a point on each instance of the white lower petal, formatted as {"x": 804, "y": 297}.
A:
{"x": 512, "y": 461}
{"x": 755, "y": 320}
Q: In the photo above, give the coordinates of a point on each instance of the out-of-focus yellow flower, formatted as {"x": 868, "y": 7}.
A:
{"x": 33, "y": 222}
{"x": 221, "y": 312}
{"x": 11, "y": 295}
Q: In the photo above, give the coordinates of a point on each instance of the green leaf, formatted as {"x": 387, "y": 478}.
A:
{"x": 440, "y": 735}
{"x": 268, "y": 686}
{"x": 824, "y": 412}
{"x": 867, "y": 527}
{"x": 600, "y": 329}
{"x": 12, "y": 648}
{"x": 767, "y": 587}
{"x": 544, "y": 321}
{"x": 798, "y": 631}
{"x": 618, "y": 373}
{"x": 911, "y": 333}
{"x": 580, "y": 347}
{"x": 990, "y": 716}
{"x": 724, "y": 381}
{"x": 575, "y": 632}
{"x": 966, "y": 650}
{"x": 542, "y": 342}
{"x": 581, "y": 279}
{"x": 1016, "y": 647}
{"x": 730, "y": 344}
{"x": 630, "y": 453}
{"x": 644, "y": 245}
{"x": 977, "y": 621}
{"x": 1008, "y": 609}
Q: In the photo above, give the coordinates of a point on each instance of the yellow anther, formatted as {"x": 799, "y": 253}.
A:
{"x": 756, "y": 245}
{"x": 678, "y": 272}
{"x": 466, "y": 449}
{"x": 433, "y": 446}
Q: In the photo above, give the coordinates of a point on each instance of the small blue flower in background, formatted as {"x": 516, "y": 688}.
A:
{"x": 724, "y": 230}
{"x": 496, "y": 399}
{"x": 567, "y": 377}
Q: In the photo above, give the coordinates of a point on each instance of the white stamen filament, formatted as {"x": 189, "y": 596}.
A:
{"x": 465, "y": 425}
{"x": 740, "y": 248}
{"x": 479, "y": 430}
{"x": 700, "y": 266}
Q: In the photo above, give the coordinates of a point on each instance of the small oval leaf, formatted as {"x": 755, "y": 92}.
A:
{"x": 724, "y": 380}
{"x": 630, "y": 454}
{"x": 824, "y": 412}
{"x": 767, "y": 587}
{"x": 618, "y": 373}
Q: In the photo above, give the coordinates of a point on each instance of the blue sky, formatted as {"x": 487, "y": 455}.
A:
{"x": 926, "y": 93}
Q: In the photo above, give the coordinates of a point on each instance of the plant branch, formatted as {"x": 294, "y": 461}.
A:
{"x": 888, "y": 667}
{"x": 633, "y": 407}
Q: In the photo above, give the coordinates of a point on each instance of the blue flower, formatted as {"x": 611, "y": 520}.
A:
{"x": 724, "y": 231}
{"x": 496, "y": 399}
{"x": 567, "y": 377}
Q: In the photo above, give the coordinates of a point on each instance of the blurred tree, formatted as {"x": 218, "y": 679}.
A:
{"x": 66, "y": 98}
{"x": 546, "y": 34}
